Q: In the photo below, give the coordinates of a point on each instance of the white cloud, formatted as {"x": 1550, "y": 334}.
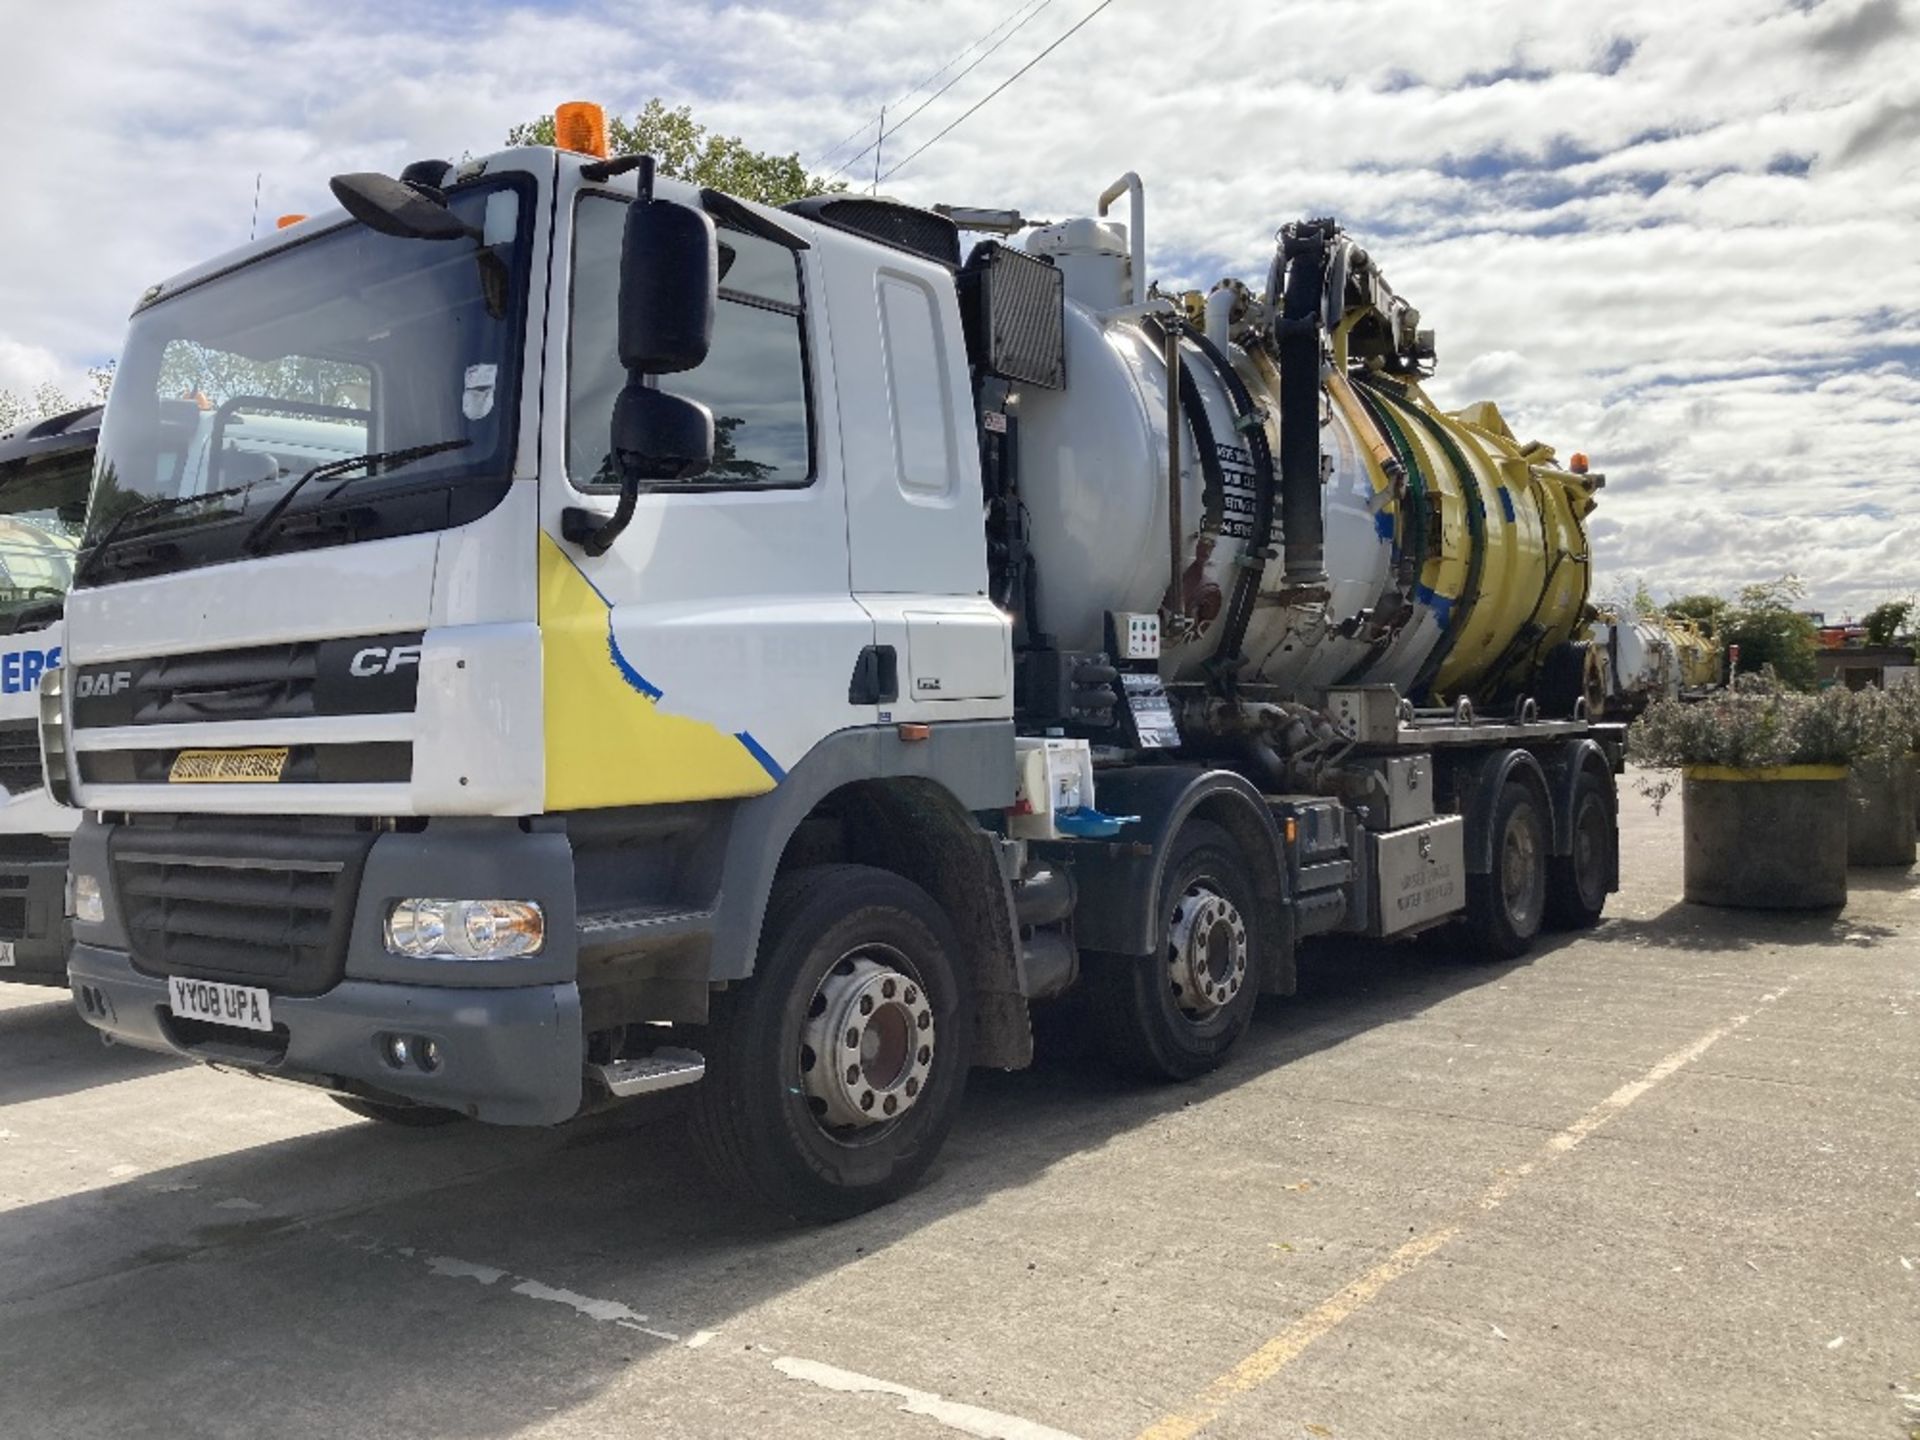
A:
{"x": 1676, "y": 236}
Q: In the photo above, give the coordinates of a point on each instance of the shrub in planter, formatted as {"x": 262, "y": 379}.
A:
{"x": 1881, "y": 822}
{"x": 1764, "y": 776}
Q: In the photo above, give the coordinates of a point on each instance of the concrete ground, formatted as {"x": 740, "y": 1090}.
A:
{"x": 1661, "y": 1180}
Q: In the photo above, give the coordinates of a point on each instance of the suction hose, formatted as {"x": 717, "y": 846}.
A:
{"x": 1300, "y": 266}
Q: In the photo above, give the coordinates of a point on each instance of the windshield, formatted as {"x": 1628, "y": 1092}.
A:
{"x": 349, "y": 343}
{"x": 43, "y": 501}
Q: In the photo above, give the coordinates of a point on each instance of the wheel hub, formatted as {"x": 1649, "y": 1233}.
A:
{"x": 1519, "y": 868}
{"x": 867, "y": 1047}
{"x": 1206, "y": 951}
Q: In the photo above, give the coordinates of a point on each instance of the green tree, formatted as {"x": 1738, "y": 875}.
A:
{"x": 50, "y": 399}
{"x": 1885, "y": 621}
{"x": 1709, "y": 612}
{"x": 1770, "y": 629}
{"x": 687, "y": 150}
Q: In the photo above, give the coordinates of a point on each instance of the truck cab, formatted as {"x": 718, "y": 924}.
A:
{"x": 394, "y": 787}
{"x": 45, "y": 470}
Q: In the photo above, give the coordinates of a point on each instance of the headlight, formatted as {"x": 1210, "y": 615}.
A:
{"x": 85, "y": 903}
{"x": 466, "y": 929}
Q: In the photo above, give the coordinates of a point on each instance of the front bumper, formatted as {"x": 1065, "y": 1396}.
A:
{"x": 509, "y": 1033}
{"x": 33, "y": 921}
{"x": 512, "y": 1057}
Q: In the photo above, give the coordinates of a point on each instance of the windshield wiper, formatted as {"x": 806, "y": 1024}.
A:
{"x": 160, "y": 505}
{"x": 263, "y": 528}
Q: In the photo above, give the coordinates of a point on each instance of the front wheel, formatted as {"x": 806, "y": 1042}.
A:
{"x": 1174, "y": 1014}
{"x": 834, "y": 1074}
{"x": 1505, "y": 907}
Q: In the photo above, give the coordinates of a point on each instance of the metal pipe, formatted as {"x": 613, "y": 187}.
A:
{"x": 1220, "y": 305}
{"x": 1176, "y": 522}
{"x": 1129, "y": 185}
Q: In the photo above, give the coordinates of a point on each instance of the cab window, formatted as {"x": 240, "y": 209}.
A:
{"x": 754, "y": 379}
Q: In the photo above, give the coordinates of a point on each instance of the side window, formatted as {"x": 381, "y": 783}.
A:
{"x": 916, "y": 382}
{"x": 754, "y": 379}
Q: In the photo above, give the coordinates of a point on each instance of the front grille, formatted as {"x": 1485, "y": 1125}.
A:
{"x": 254, "y": 903}
{"x": 20, "y": 756}
{"x": 363, "y": 675}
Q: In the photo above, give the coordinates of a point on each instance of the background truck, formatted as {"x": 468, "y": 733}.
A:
{"x": 45, "y": 470}
{"x": 1648, "y": 657}
{"x": 765, "y": 651}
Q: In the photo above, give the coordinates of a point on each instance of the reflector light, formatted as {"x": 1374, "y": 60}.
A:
{"x": 285, "y": 220}
{"x": 581, "y": 126}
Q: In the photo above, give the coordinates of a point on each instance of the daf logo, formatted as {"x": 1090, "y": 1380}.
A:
{"x": 101, "y": 683}
{"x": 383, "y": 660}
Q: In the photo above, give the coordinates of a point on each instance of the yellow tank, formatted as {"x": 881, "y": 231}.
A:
{"x": 1700, "y": 661}
{"x": 1512, "y": 557}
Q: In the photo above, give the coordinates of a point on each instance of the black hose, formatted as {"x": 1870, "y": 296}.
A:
{"x": 1259, "y": 543}
{"x": 1194, "y": 411}
{"x": 1296, "y": 343}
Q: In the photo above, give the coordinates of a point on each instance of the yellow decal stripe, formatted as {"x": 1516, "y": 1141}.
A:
{"x": 608, "y": 740}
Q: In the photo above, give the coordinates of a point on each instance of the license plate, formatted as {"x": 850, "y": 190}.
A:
{"x": 227, "y": 767}
{"x": 244, "y": 1006}
{"x": 6, "y": 954}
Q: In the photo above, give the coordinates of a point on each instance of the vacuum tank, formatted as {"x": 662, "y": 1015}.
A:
{"x": 1332, "y": 526}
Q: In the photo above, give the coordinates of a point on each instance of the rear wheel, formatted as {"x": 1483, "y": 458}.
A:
{"x": 834, "y": 1074}
{"x": 409, "y": 1117}
{"x": 1506, "y": 906}
{"x": 1176, "y": 1013}
{"x": 1578, "y": 883}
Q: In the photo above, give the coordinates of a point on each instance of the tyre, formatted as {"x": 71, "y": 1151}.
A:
{"x": 1505, "y": 908}
{"x": 410, "y": 1117}
{"x": 835, "y": 1073}
{"x": 1174, "y": 1014}
{"x": 1578, "y": 883}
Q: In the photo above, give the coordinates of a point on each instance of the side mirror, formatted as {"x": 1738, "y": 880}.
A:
{"x": 656, "y": 437}
{"x": 669, "y": 273}
{"x": 659, "y": 437}
{"x": 669, "y": 284}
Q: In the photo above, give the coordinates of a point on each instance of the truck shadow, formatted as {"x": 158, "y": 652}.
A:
{"x": 48, "y": 1050}
{"x": 376, "y": 1238}
{"x": 1685, "y": 926}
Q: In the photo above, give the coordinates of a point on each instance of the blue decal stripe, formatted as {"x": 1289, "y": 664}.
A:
{"x": 632, "y": 676}
{"x": 1506, "y": 503}
{"x": 1441, "y": 606}
{"x": 1383, "y": 525}
{"x": 767, "y": 762}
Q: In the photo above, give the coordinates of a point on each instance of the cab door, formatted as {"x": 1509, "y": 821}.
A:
{"x": 916, "y": 527}
{"x": 712, "y": 646}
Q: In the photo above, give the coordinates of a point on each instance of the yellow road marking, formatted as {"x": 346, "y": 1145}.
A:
{"x": 1279, "y": 1352}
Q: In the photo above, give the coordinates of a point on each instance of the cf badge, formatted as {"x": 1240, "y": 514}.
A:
{"x": 383, "y": 660}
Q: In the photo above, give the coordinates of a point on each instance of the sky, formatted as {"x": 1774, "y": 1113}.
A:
{"x": 1684, "y": 238}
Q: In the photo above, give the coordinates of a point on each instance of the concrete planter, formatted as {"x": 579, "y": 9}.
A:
{"x": 1771, "y": 839}
{"x": 1880, "y": 817}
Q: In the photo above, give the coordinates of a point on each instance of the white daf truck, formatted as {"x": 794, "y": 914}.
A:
{"x": 45, "y": 470}
{"x": 693, "y": 643}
